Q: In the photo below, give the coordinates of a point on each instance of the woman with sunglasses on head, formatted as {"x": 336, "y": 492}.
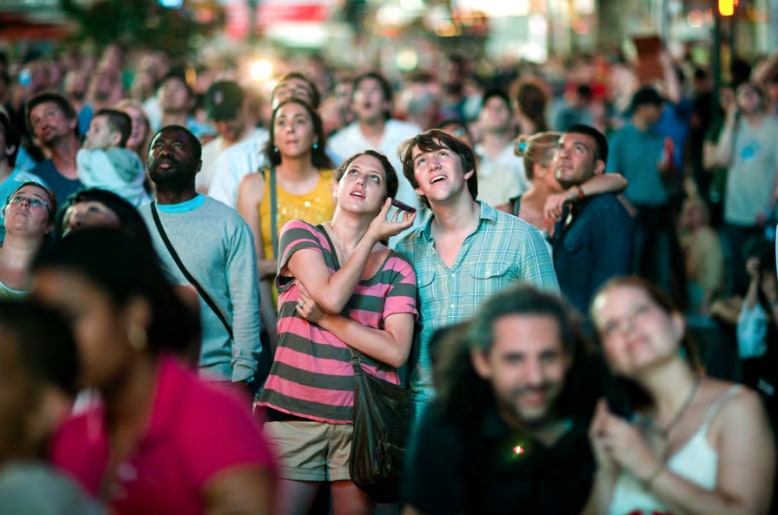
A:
{"x": 340, "y": 288}
{"x": 29, "y": 219}
{"x": 688, "y": 443}
{"x": 300, "y": 180}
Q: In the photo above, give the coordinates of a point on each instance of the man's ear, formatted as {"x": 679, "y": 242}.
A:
{"x": 480, "y": 363}
{"x": 469, "y": 174}
{"x": 116, "y": 138}
{"x": 599, "y": 167}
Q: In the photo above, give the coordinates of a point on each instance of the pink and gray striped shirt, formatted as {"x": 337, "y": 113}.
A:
{"x": 312, "y": 376}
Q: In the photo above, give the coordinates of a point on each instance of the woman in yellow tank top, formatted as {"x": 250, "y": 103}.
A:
{"x": 303, "y": 189}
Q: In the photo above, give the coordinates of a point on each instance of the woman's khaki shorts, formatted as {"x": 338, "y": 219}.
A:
{"x": 311, "y": 451}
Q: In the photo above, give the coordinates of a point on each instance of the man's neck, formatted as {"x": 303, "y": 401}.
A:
{"x": 174, "y": 118}
{"x": 461, "y": 215}
{"x": 372, "y": 130}
{"x": 547, "y": 431}
{"x": 63, "y": 156}
{"x": 494, "y": 143}
{"x": 640, "y": 123}
{"x": 175, "y": 196}
{"x": 5, "y": 170}
{"x": 754, "y": 119}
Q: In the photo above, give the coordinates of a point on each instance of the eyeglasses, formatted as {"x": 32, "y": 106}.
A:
{"x": 31, "y": 201}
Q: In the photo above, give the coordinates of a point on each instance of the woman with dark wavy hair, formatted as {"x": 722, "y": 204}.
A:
{"x": 340, "y": 289}
{"x": 299, "y": 179}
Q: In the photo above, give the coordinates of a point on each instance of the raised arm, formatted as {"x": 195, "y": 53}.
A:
{"x": 597, "y": 185}
{"x": 726, "y": 142}
{"x": 250, "y": 195}
{"x": 331, "y": 291}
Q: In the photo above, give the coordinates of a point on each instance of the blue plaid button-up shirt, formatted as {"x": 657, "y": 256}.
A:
{"x": 501, "y": 252}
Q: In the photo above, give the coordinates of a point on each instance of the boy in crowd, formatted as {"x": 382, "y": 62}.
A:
{"x": 103, "y": 162}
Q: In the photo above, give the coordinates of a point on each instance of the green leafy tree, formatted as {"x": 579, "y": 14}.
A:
{"x": 142, "y": 23}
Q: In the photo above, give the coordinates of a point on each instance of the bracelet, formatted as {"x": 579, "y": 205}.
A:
{"x": 580, "y": 191}
{"x": 649, "y": 481}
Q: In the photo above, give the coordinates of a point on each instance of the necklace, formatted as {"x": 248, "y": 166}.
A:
{"x": 664, "y": 432}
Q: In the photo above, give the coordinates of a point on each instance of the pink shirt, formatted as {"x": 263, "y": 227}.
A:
{"x": 197, "y": 430}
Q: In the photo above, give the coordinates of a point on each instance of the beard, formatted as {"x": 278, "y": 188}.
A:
{"x": 532, "y": 416}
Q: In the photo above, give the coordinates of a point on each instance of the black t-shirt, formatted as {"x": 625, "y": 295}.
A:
{"x": 495, "y": 471}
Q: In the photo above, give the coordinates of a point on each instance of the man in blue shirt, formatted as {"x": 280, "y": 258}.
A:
{"x": 52, "y": 119}
{"x": 592, "y": 241}
{"x": 464, "y": 251}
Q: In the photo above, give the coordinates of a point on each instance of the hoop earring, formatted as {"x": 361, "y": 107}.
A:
{"x": 275, "y": 150}
{"x": 315, "y": 145}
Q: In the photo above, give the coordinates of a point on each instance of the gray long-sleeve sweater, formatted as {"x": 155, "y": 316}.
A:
{"x": 217, "y": 248}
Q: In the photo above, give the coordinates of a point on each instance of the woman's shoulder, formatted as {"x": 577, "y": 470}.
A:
{"x": 254, "y": 180}
{"x": 396, "y": 259}
{"x": 729, "y": 405}
{"x": 296, "y": 224}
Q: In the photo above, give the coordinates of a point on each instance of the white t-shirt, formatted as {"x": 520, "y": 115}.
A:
{"x": 211, "y": 152}
{"x": 501, "y": 179}
{"x": 234, "y": 164}
{"x": 350, "y": 140}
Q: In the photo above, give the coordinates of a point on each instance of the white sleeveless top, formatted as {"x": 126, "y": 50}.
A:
{"x": 696, "y": 461}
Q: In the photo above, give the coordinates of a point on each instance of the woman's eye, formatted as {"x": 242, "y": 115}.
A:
{"x": 375, "y": 178}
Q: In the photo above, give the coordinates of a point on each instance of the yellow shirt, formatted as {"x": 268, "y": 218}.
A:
{"x": 314, "y": 207}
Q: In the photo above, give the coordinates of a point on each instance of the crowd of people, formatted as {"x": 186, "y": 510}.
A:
{"x": 574, "y": 274}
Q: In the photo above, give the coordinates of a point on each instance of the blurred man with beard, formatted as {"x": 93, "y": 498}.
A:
{"x": 216, "y": 247}
{"x": 53, "y": 122}
{"x": 508, "y": 431}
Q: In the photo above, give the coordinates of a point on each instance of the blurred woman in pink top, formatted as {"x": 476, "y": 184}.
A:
{"x": 160, "y": 441}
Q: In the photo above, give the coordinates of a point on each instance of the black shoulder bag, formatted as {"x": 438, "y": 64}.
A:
{"x": 383, "y": 415}
{"x": 189, "y": 277}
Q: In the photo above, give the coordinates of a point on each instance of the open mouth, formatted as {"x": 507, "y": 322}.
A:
{"x": 438, "y": 178}
{"x": 357, "y": 194}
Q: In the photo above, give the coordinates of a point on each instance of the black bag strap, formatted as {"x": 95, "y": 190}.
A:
{"x": 200, "y": 290}
{"x": 273, "y": 210}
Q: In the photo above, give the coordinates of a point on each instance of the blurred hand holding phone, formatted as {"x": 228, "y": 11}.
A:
{"x": 403, "y": 206}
